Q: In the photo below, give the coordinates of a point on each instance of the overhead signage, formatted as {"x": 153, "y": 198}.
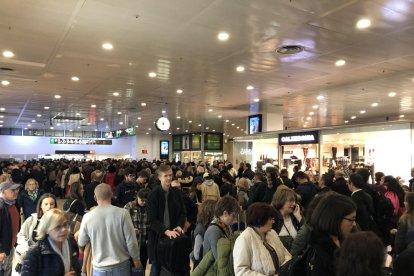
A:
{"x": 120, "y": 133}
{"x": 307, "y": 137}
{"x": 75, "y": 141}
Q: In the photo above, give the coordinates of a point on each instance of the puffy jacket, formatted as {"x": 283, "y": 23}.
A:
{"x": 42, "y": 260}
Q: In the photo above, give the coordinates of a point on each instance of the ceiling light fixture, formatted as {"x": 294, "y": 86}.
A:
{"x": 143, "y": 104}
{"x": 190, "y": 122}
{"x": 374, "y": 104}
{"x": 121, "y": 123}
{"x": 256, "y": 100}
{"x": 116, "y": 94}
{"x": 340, "y": 62}
{"x": 210, "y": 110}
{"x": 152, "y": 74}
{"x": 178, "y": 117}
{"x": 227, "y": 121}
{"x": 392, "y": 94}
{"x": 311, "y": 113}
{"x": 93, "y": 105}
{"x": 346, "y": 122}
{"x": 58, "y": 96}
{"x": 46, "y": 108}
{"x": 363, "y": 23}
{"x": 249, "y": 87}
{"x": 8, "y": 54}
{"x": 219, "y": 116}
{"x": 402, "y": 116}
{"x": 362, "y": 111}
{"x": 102, "y": 119}
{"x": 33, "y": 121}
{"x": 353, "y": 117}
{"x": 39, "y": 115}
{"x": 75, "y": 78}
{"x": 315, "y": 106}
{"x": 139, "y": 118}
{"x": 240, "y": 69}
{"x": 199, "y": 125}
{"x": 223, "y": 36}
{"x": 107, "y": 46}
{"x": 320, "y": 98}
{"x": 119, "y": 112}
{"x": 179, "y": 91}
{"x": 5, "y": 82}
{"x": 233, "y": 124}
{"x": 163, "y": 112}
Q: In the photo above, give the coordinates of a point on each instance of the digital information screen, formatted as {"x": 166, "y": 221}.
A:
{"x": 164, "y": 149}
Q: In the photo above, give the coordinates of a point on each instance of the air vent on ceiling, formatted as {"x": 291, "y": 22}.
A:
{"x": 69, "y": 118}
{"x": 290, "y": 49}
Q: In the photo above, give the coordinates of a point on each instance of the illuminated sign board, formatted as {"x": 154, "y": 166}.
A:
{"x": 120, "y": 133}
{"x": 308, "y": 137}
{"x": 76, "y": 141}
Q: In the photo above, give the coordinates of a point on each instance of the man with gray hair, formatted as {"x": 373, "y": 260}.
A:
{"x": 111, "y": 233}
{"x": 9, "y": 225}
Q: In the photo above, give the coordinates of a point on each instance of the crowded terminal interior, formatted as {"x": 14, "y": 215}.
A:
{"x": 207, "y": 137}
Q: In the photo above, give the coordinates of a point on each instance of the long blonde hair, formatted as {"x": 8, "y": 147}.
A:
{"x": 50, "y": 220}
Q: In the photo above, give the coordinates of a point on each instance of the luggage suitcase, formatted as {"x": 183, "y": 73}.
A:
{"x": 174, "y": 254}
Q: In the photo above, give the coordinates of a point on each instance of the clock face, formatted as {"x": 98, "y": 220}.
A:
{"x": 162, "y": 124}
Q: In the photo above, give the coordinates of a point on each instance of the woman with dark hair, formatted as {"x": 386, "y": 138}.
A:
{"x": 331, "y": 221}
{"x": 405, "y": 233}
{"x": 361, "y": 254}
{"x": 204, "y": 217}
{"x": 258, "y": 250}
{"x": 396, "y": 194}
{"x": 27, "y": 234}
{"x": 288, "y": 218}
{"x": 75, "y": 202}
{"x": 53, "y": 254}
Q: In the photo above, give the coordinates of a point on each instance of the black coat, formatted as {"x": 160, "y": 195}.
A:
{"x": 5, "y": 229}
{"x": 307, "y": 191}
{"x": 125, "y": 193}
{"x": 278, "y": 225}
{"x": 28, "y": 205}
{"x": 365, "y": 209}
{"x": 341, "y": 187}
{"x": 257, "y": 192}
{"x": 89, "y": 195}
{"x": 322, "y": 255}
{"x": 155, "y": 212}
{"x": 42, "y": 260}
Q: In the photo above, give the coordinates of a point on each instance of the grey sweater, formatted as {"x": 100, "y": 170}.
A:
{"x": 111, "y": 233}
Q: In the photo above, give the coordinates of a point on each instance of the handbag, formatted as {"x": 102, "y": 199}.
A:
{"x": 74, "y": 219}
{"x": 286, "y": 240}
{"x": 298, "y": 265}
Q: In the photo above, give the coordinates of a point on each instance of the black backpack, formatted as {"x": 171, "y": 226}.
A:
{"x": 383, "y": 209}
{"x": 300, "y": 265}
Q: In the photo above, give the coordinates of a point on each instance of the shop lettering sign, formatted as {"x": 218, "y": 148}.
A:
{"x": 308, "y": 137}
{"x": 246, "y": 151}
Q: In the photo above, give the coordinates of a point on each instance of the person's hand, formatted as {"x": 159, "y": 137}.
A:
{"x": 296, "y": 213}
{"x": 136, "y": 231}
{"x": 393, "y": 231}
{"x": 171, "y": 234}
{"x": 137, "y": 264}
{"x": 2, "y": 257}
{"x": 70, "y": 273}
{"x": 388, "y": 261}
{"x": 179, "y": 230}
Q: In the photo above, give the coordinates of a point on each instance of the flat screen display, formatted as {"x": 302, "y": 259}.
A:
{"x": 255, "y": 124}
{"x": 164, "y": 149}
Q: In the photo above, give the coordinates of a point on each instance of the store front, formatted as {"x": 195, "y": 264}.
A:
{"x": 299, "y": 149}
{"x": 381, "y": 148}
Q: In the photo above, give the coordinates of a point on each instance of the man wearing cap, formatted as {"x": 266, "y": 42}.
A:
{"x": 9, "y": 225}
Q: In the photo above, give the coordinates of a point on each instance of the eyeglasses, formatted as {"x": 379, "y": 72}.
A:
{"x": 350, "y": 219}
{"x": 61, "y": 227}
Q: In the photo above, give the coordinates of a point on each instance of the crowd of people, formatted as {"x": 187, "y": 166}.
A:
{"x": 201, "y": 219}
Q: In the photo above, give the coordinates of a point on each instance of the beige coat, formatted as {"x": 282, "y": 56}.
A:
{"x": 251, "y": 257}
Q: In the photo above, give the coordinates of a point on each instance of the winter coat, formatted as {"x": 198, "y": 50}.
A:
{"x": 28, "y": 205}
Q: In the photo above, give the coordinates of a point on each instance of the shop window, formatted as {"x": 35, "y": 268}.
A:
{"x": 16, "y": 132}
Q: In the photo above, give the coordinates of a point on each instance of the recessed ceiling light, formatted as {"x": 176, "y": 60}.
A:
{"x": 178, "y": 128}
{"x": 186, "y": 130}
{"x": 8, "y": 54}
{"x": 308, "y": 118}
{"x": 139, "y": 118}
{"x": 107, "y": 46}
{"x": 214, "y": 130}
{"x": 121, "y": 123}
{"x": 402, "y": 116}
{"x": 207, "y": 127}
{"x": 237, "y": 127}
{"x": 152, "y": 74}
{"x": 147, "y": 133}
{"x": 392, "y": 94}
{"x": 353, "y": 117}
{"x": 1, "y": 116}
{"x": 58, "y": 124}
{"x": 315, "y": 106}
{"x": 136, "y": 126}
{"x": 363, "y": 23}
{"x": 33, "y": 121}
{"x": 178, "y": 117}
{"x": 340, "y": 62}
{"x": 249, "y": 87}
{"x": 374, "y": 104}
{"x": 58, "y": 96}
{"x": 1, "y": 122}
{"x": 239, "y": 68}
{"x": 190, "y": 122}
{"x": 256, "y": 100}
{"x": 75, "y": 78}
{"x": 219, "y": 116}
{"x": 88, "y": 124}
{"x": 51, "y": 127}
{"x": 1, "y": 125}
{"x": 242, "y": 129}
{"x": 233, "y": 124}
{"x": 46, "y": 107}
{"x": 102, "y": 119}
{"x": 320, "y": 98}
{"x": 199, "y": 125}
{"x": 149, "y": 128}
{"x": 169, "y": 133}
{"x": 5, "y": 82}
{"x": 223, "y": 36}
{"x": 2, "y": 109}
{"x": 119, "y": 112}
{"x": 116, "y": 94}
{"x": 77, "y": 114}
{"x": 143, "y": 104}
{"x": 163, "y": 112}
{"x": 210, "y": 110}
{"x": 227, "y": 121}
{"x": 179, "y": 91}
{"x": 70, "y": 130}
{"x": 362, "y": 111}
{"x": 93, "y": 105}
{"x": 311, "y": 113}
{"x": 39, "y": 115}
{"x": 346, "y": 122}
{"x": 25, "y": 128}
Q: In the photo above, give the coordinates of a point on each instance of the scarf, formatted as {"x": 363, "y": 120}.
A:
{"x": 33, "y": 194}
{"x": 223, "y": 227}
{"x": 8, "y": 202}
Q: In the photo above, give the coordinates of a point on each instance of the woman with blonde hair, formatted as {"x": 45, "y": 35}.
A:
{"x": 29, "y": 197}
{"x": 53, "y": 254}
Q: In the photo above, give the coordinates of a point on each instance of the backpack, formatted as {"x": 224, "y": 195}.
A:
{"x": 384, "y": 209}
{"x": 211, "y": 192}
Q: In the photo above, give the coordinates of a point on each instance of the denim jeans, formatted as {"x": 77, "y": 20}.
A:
{"x": 155, "y": 269}
{"x": 123, "y": 269}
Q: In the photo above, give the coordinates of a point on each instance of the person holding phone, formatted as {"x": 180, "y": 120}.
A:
{"x": 288, "y": 219}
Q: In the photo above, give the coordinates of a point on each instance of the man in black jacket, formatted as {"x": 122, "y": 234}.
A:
{"x": 363, "y": 201}
{"x": 128, "y": 189}
{"x": 9, "y": 224}
{"x": 340, "y": 185}
{"x": 96, "y": 178}
{"x": 166, "y": 215}
{"x": 306, "y": 189}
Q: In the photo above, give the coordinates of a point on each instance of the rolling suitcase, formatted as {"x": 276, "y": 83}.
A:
{"x": 174, "y": 254}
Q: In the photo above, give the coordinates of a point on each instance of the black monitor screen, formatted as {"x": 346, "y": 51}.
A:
{"x": 164, "y": 149}
{"x": 255, "y": 124}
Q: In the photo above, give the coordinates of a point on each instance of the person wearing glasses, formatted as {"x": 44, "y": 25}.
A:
{"x": 127, "y": 190}
{"x": 331, "y": 221}
{"x": 258, "y": 250}
{"x": 53, "y": 254}
{"x": 9, "y": 224}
